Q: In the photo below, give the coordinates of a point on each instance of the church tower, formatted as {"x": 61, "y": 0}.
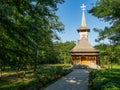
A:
{"x": 83, "y": 30}
{"x": 83, "y": 52}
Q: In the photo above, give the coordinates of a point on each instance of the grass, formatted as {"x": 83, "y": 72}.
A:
{"x": 44, "y": 75}
{"x": 114, "y": 66}
{"x": 62, "y": 65}
{"x": 105, "y": 79}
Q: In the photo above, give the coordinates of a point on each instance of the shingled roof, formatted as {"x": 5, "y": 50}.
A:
{"x": 83, "y": 46}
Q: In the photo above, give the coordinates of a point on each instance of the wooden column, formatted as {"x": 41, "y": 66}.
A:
{"x": 95, "y": 60}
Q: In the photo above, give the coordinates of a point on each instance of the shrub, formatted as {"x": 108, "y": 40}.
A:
{"x": 41, "y": 78}
{"x": 110, "y": 86}
{"x": 104, "y": 80}
{"x": 93, "y": 74}
{"x": 98, "y": 82}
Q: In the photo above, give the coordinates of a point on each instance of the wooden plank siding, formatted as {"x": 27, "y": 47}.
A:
{"x": 84, "y": 60}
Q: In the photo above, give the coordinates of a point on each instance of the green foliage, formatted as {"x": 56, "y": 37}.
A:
{"x": 34, "y": 81}
{"x": 27, "y": 28}
{"x": 98, "y": 82}
{"x": 93, "y": 74}
{"x": 108, "y": 10}
{"x": 109, "y": 54}
{"x": 104, "y": 79}
{"x": 62, "y": 50}
{"x": 110, "y": 86}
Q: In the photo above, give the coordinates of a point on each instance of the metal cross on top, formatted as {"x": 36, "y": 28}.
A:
{"x": 83, "y": 7}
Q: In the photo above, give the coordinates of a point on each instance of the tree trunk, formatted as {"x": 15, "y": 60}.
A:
{"x": 0, "y": 70}
{"x": 36, "y": 61}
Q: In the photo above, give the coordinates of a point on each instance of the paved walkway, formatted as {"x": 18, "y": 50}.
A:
{"x": 76, "y": 80}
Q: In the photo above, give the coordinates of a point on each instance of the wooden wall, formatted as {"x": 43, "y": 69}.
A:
{"x": 85, "y": 60}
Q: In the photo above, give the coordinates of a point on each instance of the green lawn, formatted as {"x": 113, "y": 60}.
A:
{"x": 45, "y": 75}
{"x": 114, "y": 66}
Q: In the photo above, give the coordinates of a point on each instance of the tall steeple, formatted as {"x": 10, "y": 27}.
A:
{"x": 83, "y": 52}
{"x": 83, "y": 30}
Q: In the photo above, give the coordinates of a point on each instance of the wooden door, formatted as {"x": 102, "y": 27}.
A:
{"x": 83, "y": 60}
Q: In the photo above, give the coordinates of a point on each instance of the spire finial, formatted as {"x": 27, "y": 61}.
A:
{"x": 83, "y": 22}
{"x": 83, "y": 7}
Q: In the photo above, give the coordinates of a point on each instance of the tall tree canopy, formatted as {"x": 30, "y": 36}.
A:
{"x": 109, "y": 11}
{"x": 27, "y": 28}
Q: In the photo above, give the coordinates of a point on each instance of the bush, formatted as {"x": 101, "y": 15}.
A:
{"x": 110, "y": 86}
{"x": 41, "y": 78}
{"x": 98, "y": 82}
{"x": 93, "y": 74}
{"x": 104, "y": 80}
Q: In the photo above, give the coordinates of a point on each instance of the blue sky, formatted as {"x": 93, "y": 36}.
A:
{"x": 70, "y": 15}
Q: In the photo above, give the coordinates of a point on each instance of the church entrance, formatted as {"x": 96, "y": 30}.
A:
{"x": 83, "y": 60}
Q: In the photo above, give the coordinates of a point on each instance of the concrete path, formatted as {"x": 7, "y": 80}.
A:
{"x": 76, "y": 80}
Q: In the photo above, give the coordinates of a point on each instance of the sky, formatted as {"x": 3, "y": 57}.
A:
{"x": 70, "y": 15}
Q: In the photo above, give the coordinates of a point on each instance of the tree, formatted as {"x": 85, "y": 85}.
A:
{"x": 27, "y": 27}
{"x": 108, "y": 11}
{"x": 62, "y": 49}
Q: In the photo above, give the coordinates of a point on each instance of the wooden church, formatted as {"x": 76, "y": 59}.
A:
{"x": 83, "y": 52}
